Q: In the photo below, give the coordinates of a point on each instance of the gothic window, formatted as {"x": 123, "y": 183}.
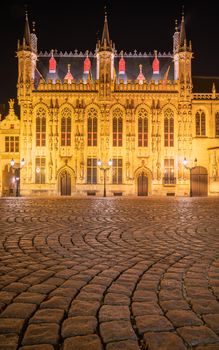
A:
{"x": 66, "y": 127}
{"x": 41, "y": 127}
{"x": 40, "y": 176}
{"x": 169, "y": 171}
{"x": 117, "y": 128}
{"x": 200, "y": 123}
{"x": 142, "y": 128}
{"x": 117, "y": 171}
{"x": 11, "y": 143}
{"x": 217, "y": 124}
{"x": 92, "y": 127}
{"x": 91, "y": 170}
{"x": 168, "y": 128}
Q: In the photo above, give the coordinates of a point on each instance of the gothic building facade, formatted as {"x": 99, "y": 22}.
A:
{"x": 134, "y": 123}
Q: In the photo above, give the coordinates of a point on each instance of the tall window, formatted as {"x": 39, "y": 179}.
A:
{"x": 40, "y": 164}
{"x": 200, "y": 123}
{"x": 117, "y": 171}
{"x": 11, "y": 143}
{"x": 217, "y": 124}
{"x": 41, "y": 128}
{"x": 117, "y": 128}
{"x": 91, "y": 170}
{"x": 142, "y": 128}
{"x": 169, "y": 171}
{"x": 168, "y": 128}
{"x": 66, "y": 127}
{"x": 92, "y": 127}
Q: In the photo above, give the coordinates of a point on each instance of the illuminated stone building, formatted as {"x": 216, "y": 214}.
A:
{"x": 143, "y": 111}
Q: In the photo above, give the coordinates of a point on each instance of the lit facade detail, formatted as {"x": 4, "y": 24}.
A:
{"x": 140, "y": 110}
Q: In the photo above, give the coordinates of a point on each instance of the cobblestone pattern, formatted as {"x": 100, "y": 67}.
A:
{"x": 109, "y": 274}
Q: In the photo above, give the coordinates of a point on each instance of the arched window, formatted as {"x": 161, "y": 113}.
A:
{"x": 142, "y": 128}
{"x": 41, "y": 127}
{"x": 200, "y": 123}
{"x": 168, "y": 128}
{"x": 92, "y": 127}
{"x": 117, "y": 128}
{"x": 66, "y": 127}
{"x": 217, "y": 124}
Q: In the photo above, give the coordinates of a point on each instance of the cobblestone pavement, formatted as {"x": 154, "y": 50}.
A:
{"x": 109, "y": 274}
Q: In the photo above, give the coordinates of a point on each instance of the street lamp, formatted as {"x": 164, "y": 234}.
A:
{"x": 104, "y": 167}
{"x": 185, "y": 162}
{"x": 17, "y": 168}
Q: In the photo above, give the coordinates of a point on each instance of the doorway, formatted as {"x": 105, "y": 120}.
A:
{"x": 199, "y": 182}
{"x": 142, "y": 185}
{"x": 65, "y": 183}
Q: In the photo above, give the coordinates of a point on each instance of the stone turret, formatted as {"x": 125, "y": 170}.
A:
{"x": 27, "y": 57}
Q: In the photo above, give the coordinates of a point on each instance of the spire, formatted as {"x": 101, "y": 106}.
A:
{"x": 141, "y": 76}
{"x": 87, "y": 65}
{"x": 69, "y": 76}
{"x": 182, "y": 37}
{"x": 166, "y": 75}
{"x": 33, "y": 38}
{"x": 52, "y": 64}
{"x": 176, "y": 38}
{"x": 105, "y": 34}
{"x": 122, "y": 64}
{"x": 213, "y": 90}
{"x": 27, "y": 36}
{"x": 156, "y": 64}
{"x": 106, "y": 43}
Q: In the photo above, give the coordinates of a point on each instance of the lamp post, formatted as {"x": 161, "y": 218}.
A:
{"x": 185, "y": 162}
{"x": 104, "y": 168}
{"x": 17, "y": 168}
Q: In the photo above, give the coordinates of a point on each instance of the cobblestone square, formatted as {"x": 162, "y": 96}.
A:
{"x": 109, "y": 273}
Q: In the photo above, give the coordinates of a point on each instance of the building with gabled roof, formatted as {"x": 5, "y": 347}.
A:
{"x": 119, "y": 122}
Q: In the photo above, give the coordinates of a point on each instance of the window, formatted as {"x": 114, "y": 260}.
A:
{"x": 66, "y": 127}
{"x": 200, "y": 123}
{"x": 117, "y": 171}
{"x": 217, "y": 124}
{"x": 117, "y": 128}
{"x": 169, "y": 171}
{"x": 41, "y": 128}
{"x": 92, "y": 127}
{"x": 168, "y": 128}
{"x": 40, "y": 170}
{"x": 142, "y": 128}
{"x": 91, "y": 170}
{"x": 11, "y": 143}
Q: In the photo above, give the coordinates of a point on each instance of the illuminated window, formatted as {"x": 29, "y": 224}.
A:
{"x": 40, "y": 167}
{"x": 66, "y": 127}
{"x": 117, "y": 128}
{"x": 217, "y": 124}
{"x": 117, "y": 171}
{"x": 91, "y": 170}
{"x": 11, "y": 143}
{"x": 200, "y": 123}
{"x": 41, "y": 128}
{"x": 169, "y": 171}
{"x": 142, "y": 128}
{"x": 92, "y": 127}
{"x": 168, "y": 128}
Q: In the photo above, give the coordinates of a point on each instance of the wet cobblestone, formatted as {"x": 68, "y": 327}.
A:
{"x": 109, "y": 274}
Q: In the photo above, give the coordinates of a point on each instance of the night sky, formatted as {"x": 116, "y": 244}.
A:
{"x": 141, "y": 25}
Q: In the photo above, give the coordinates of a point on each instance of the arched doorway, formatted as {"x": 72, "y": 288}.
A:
{"x": 199, "y": 181}
{"x": 65, "y": 183}
{"x": 142, "y": 184}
